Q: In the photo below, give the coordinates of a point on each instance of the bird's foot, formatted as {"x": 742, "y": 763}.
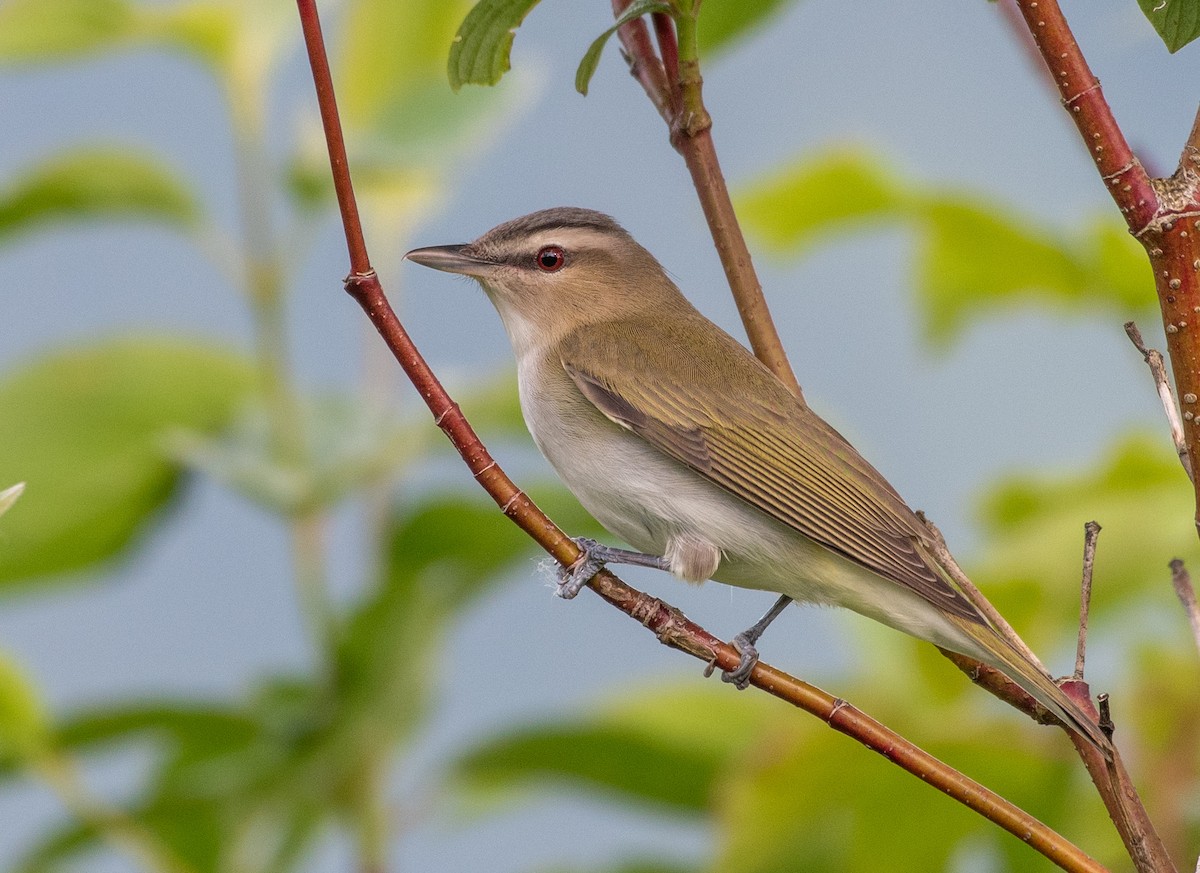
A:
{"x": 572, "y": 579}
{"x": 739, "y": 676}
{"x": 744, "y": 642}
{"x": 595, "y": 555}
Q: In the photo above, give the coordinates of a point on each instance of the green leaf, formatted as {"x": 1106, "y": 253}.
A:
{"x": 625, "y": 765}
{"x": 23, "y": 718}
{"x": 85, "y": 428}
{"x": 258, "y": 777}
{"x": 654, "y": 746}
{"x": 37, "y": 30}
{"x": 479, "y": 54}
{"x": 829, "y": 192}
{"x": 209, "y": 30}
{"x": 1139, "y": 494}
{"x": 629, "y": 866}
{"x": 390, "y": 49}
{"x": 974, "y": 255}
{"x": 96, "y": 181}
{"x": 1177, "y": 21}
{"x": 345, "y": 445}
{"x": 587, "y": 66}
{"x": 192, "y": 832}
{"x": 809, "y": 800}
{"x": 441, "y": 555}
{"x": 407, "y": 132}
{"x": 723, "y": 22}
{"x": 10, "y": 495}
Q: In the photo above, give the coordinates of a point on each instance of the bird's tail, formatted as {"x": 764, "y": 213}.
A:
{"x": 1034, "y": 680}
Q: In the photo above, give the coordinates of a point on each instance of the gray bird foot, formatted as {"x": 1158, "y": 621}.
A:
{"x": 595, "y": 555}
{"x": 739, "y": 676}
{"x": 572, "y": 579}
{"x": 744, "y": 642}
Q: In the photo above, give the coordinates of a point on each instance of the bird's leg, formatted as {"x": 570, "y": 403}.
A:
{"x": 744, "y": 643}
{"x": 595, "y": 555}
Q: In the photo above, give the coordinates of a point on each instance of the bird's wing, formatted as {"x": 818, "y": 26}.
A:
{"x": 715, "y": 408}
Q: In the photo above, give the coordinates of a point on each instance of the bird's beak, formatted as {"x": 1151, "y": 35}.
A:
{"x": 451, "y": 259}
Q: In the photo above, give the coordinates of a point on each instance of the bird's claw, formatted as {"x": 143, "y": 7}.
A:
{"x": 571, "y": 580}
{"x": 739, "y": 676}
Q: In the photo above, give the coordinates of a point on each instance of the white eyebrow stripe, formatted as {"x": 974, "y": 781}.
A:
{"x": 571, "y": 238}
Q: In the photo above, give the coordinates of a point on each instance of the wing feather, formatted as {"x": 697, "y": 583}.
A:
{"x": 715, "y": 408}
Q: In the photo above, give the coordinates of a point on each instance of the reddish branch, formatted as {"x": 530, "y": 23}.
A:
{"x": 1162, "y": 215}
{"x": 673, "y": 84}
{"x": 667, "y": 623}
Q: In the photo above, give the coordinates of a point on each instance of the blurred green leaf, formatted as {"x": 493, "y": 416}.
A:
{"x": 587, "y": 66}
{"x": 634, "y": 866}
{"x": 191, "y": 831}
{"x": 225, "y": 34}
{"x": 188, "y": 729}
{"x": 390, "y": 49}
{"x": 812, "y": 801}
{"x": 10, "y": 495}
{"x": 95, "y": 181}
{"x": 971, "y": 254}
{"x": 226, "y": 780}
{"x": 84, "y": 428}
{"x": 1141, "y": 497}
{"x": 405, "y": 128}
{"x": 23, "y": 719}
{"x": 724, "y": 22}
{"x": 625, "y": 764}
{"x": 974, "y": 255}
{"x": 37, "y": 30}
{"x": 345, "y": 445}
{"x": 210, "y": 30}
{"x": 479, "y": 54}
{"x": 1177, "y": 21}
{"x": 830, "y": 192}
{"x": 441, "y": 555}
{"x": 652, "y": 746}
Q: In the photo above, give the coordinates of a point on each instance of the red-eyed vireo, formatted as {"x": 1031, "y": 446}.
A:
{"x": 682, "y": 444}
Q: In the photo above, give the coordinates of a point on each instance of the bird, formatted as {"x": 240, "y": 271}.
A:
{"x": 682, "y": 444}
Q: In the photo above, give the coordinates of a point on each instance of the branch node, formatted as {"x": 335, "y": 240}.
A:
{"x": 1095, "y": 86}
{"x": 452, "y": 409}
{"x": 507, "y": 508}
{"x": 1116, "y": 174}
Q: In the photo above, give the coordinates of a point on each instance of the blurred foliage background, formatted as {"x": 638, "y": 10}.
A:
{"x": 303, "y": 767}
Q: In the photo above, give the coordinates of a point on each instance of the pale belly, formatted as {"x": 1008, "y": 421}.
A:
{"x": 648, "y": 500}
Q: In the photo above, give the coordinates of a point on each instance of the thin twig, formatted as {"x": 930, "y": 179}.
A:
{"x": 1181, "y": 580}
{"x": 1091, "y": 533}
{"x": 1158, "y": 369}
{"x": 644, "y": 64}
{"x": 690, "y": 126}
{"x": 671, "y": 626}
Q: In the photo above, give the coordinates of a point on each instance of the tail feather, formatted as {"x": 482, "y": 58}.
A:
{"x": 1036, "y": 682}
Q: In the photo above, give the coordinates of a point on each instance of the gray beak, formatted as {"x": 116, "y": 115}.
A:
{"x": 450, "y": 259}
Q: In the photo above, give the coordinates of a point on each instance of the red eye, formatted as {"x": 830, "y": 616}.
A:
{"x": 551, "y": 259}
